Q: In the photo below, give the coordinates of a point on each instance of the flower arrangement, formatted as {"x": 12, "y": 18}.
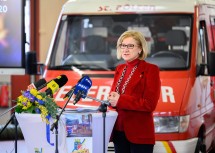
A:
{"x": 33, "y": 101}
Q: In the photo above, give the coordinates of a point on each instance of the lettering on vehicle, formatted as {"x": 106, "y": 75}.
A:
{"x": 135, "y": 8}
{"x": 99, "y": 92}
{"x": 102, "y": 92}
{"x": 104, "y": 8}
{"x": 167, "y": 94}
{"x": 127, "y": 8}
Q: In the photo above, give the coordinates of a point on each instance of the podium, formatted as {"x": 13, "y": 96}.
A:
{"x": 78, "y": 131}
{"x": 38, "y": 137}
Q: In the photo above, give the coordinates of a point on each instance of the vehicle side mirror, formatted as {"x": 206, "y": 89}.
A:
{"x": 201, "y": 69}
{"x": 32, "y": 67}
{"x": 211, "y": 63}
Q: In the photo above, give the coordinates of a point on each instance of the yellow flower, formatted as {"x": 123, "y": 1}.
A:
{"x": 34, "y": 92}
{"x": 39, "y": 97}
{"x": 44, "y": 113}
{"x": 27, "y": 104}
{"x": 20, "y": 98}
{"x": 19, "y": 104}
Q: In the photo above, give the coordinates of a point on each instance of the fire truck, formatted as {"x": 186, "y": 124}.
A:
{"x": 181, "y": 42}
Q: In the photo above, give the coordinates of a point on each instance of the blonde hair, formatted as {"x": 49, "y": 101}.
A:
{"x": 139, "y": 38}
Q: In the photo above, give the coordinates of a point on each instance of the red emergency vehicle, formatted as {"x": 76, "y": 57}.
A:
{"x": 181, "y": 41}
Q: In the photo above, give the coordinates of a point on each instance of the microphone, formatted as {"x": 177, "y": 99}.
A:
{"x": 37, "y": 84}
{"x": 70, "y": 93}
{"x": 82, "y": 87}
{"x": 55, "y": 84}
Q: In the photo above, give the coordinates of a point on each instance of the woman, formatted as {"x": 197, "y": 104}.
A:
{"x": 134, "y": 94}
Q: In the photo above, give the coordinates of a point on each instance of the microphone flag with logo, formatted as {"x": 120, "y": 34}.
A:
{"x": 82, "y": 87}
{"x": 55, "y": 84}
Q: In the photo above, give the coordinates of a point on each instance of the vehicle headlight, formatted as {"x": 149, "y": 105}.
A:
{"x": 170, "y": 124}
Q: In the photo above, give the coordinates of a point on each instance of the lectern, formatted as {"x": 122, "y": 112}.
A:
{"x": 79, "y": 130}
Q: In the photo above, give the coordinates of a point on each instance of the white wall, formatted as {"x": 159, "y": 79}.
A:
{"x": 49, "y": 12}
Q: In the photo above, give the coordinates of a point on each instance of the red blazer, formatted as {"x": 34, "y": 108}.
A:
{"x": 139, "y": 101}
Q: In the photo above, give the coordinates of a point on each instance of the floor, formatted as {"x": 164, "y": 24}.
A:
{"x": 9, "y": 147}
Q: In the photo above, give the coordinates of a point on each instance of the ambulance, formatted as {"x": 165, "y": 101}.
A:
{"x": 181, "y": 42}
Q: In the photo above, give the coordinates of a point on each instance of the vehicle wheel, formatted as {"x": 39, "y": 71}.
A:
{"x": 200, "y": 146}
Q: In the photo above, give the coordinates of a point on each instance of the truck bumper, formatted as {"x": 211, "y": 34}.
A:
{"x": 183, "y": 146}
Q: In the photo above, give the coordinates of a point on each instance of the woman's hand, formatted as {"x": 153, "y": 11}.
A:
{"x": 113, "y": 98}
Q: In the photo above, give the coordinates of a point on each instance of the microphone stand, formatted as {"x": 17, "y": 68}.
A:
{"x": 13, "y": 117}
{"x": 102, "y": 108}
{"x": 55, "y": 124}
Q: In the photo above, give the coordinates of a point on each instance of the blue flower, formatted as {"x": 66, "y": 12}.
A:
{"x": 41, "y": 102}
{"x": 28, "y": 95}
{"x": 37, "y": 110}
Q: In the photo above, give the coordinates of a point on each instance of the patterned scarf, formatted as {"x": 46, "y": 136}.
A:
{"x": 127, "y": 81}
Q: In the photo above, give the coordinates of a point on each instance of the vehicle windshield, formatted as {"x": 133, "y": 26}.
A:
{"x": 89, "y": 41}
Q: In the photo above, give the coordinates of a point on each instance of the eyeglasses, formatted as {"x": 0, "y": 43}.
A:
{"x": 129, "y": 46}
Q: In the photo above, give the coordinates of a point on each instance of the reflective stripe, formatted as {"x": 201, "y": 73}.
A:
{"x": 169, "y": 147}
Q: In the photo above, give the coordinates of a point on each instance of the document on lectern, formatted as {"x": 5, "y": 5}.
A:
{"x": 79, "y": 132}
